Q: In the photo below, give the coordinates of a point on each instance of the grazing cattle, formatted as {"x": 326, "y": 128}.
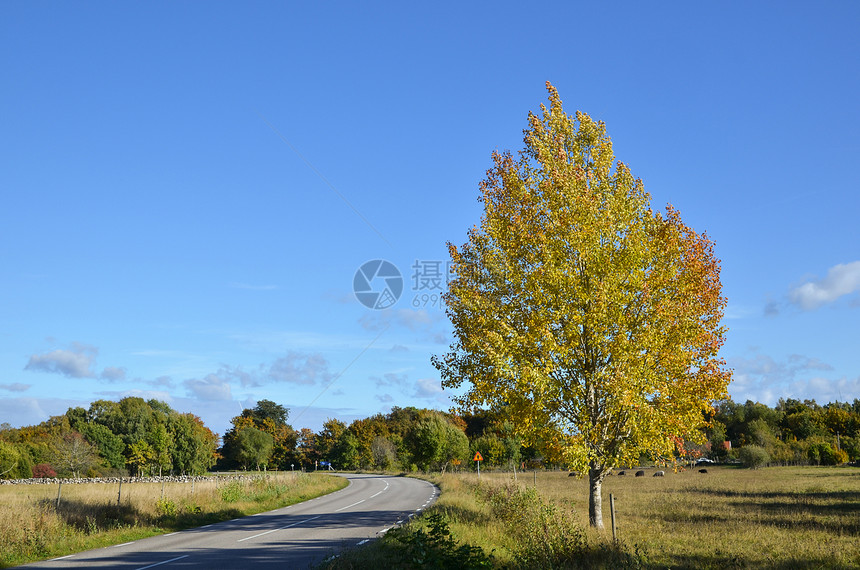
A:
{"x": 620, "y": 473}
{"x": 703, "y": 470}
{"x": 659, "y": 473}
{"x": 640, "y": 473}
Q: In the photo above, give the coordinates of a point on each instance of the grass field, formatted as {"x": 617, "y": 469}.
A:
{"x": 33, "y": 527}
{"x": 781, "y": 517}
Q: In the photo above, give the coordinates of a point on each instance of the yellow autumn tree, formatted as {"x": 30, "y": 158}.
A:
{"x": 593, "y": 320}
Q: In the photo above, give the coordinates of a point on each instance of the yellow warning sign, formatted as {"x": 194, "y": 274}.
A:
{"x": 478, "y": 456}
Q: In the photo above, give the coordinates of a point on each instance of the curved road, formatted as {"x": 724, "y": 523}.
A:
{"x": 292, "y": 537}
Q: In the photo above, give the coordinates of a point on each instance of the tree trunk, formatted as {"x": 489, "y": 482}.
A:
{"x": 595, "y": 500}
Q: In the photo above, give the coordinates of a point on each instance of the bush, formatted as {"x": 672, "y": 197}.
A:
{"x": 753, "y": 456}
{"x": 436, "y": 548}
{"x": 823, "y": 454}
{"x": 545, "y": 535}
{"x": 232, "y": 492}
{"x": 43, "y": 471}
{"x": 166, "y": 508}
{"x": 15, "y": 462}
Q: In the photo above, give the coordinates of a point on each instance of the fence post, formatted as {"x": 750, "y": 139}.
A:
{"x": 119, "y": 493}
{"x": 59, "y": 490}
{"x": 612, "y": 514}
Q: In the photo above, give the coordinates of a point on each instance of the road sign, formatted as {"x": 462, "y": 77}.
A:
{"x": 478, "y": 456}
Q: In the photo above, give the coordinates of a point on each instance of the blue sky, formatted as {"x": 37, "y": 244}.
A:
{"x": 188, "y": 190}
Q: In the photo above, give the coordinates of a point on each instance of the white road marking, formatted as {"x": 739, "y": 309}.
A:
{"x": 123, "y": 544}
{"x": 379, "y": 493}
{"x": 348, "y": 506}
{"x": 165, "y": 562}
{"x": 365, "y": 541}
{"x": 61, "y": 557}
{"x": 277, "y": 529}
{"x": 171, "y": 534}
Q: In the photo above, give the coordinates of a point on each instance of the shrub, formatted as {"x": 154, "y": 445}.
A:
{"x": 166, "y": 507}
{"x": 232, "y": 492}
{"x": 753, "y": 456}
{"x": 437, "y": 548}
{"x": 823, "y": 454}
{"x": 43, "y": 471}
{"x": 545, "y": 535}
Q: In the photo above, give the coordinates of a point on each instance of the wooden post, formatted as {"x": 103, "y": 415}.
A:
{"x": 119, "y": 493}
{"x": 612, "y": 514}
{"x": 535, "y": 473}
{"x": 59, "y": 490}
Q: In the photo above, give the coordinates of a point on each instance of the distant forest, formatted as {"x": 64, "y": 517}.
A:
{"x": 147, "y": 437}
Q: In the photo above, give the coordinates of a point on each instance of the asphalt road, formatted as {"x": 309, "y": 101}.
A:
{"x": 297, "y": 536}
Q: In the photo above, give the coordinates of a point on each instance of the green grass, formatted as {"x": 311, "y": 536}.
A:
{"x": 780, "y": 517}
{"x": 34, "y": 527}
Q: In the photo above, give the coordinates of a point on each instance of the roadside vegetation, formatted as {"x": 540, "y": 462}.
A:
{"x": 729, "y": 517}
{"x": 36, "y": 526}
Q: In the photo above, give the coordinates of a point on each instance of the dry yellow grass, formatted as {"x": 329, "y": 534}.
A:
{"x": 33, "y": 527}
{"x": 784, "y": 517}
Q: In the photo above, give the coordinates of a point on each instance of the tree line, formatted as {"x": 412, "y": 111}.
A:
{"x": 146, "y": 437}
{"x": 408, "y": 439}
{"x": 130, "y": 437}
{"x": 793, "y": 432}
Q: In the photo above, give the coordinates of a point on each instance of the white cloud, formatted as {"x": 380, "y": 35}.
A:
{"x": 431, "y": 389}
{"x": 235, "y": 373}
{"x": 295, "y": 368}
{"x": 135, "y": 393}
{"x": 74, "y": 363}
{"x": 212, "y": 387}
{"x": 824, "y": 390}
{"x": 113, "y": 373}
{"x": 31, "y": 411}
{"x": 762, "y": 378}
{"x": 841, "y": 280}
{"x": 428, "y": 387}
{"x": 390, "y": 379}
{"x": 165, "y": 381}
{"x": 15, "y": 387}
